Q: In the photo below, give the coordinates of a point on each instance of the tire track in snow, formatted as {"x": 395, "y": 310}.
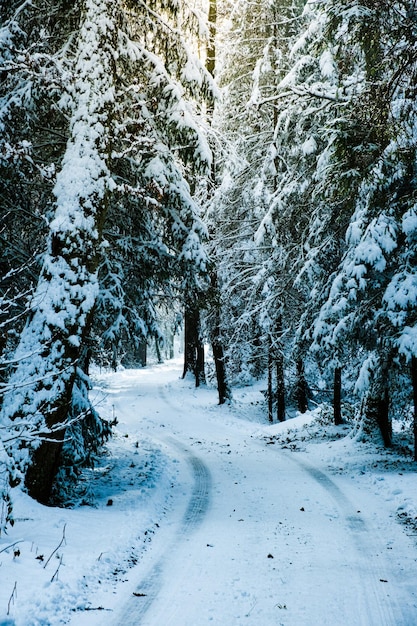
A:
{"x": 200, "y": 496}
{"x": 389, "y": 612}
{"x": 151, "y": 584}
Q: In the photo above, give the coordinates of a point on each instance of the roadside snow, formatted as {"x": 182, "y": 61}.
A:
{"x": 198, "y": 514}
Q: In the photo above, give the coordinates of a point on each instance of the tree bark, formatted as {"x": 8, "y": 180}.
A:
{"x": 279, "y": 367}
{"x": 223, "y": 387}
{"x": 193, "y": 345}
{"x": 301, "y": 388}
{"x": 45, "y": 462}
{"x": 377, "y": 412}
{"x": 280, "y": 387}
{"x": 190, "y": 348}
{"x": 337, "y": 395}
{"x": 376, "y": 405}
{"x": 384, "y": 421}
{"x": 414, "y": 380}
{"x": 200, "y": 374}
{"x": 170, "y": 347}
{"x": 270, "y": 390}
{"x": 211, "y": 45}
{"x": 158, "y": 351}
{"x": 221, "y": 374}
{"x": 114, "y": 354}
{"x": 143, "y": 352}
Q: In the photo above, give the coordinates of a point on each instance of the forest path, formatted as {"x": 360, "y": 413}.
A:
{"x": 260, "y": 536}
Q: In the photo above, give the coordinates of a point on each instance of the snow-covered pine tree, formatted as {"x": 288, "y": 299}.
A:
{"x": 133, "y": 90}
{"x": 252, "y": 68}
{"x": 32, "y": 137}
{"x": 32, "y": 133}
{"x": 152, "y": 233}
{"x": 243, "y": 35}
{"x": 370, "y": 309}
{"x": 338, "y": 116}
{"x": 37, "y": 401}
{"x": 161, "y": 153}
{"x": 203, "y": 310}
{"x": 316, "y": 174}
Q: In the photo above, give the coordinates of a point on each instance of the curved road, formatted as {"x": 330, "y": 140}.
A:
{"x": 150, "y": 585}
{"x": 262, "y": 536}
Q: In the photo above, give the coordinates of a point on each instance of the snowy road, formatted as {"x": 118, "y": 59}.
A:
{"x": 258, "y": 535}
{"x": 150, "y": 587}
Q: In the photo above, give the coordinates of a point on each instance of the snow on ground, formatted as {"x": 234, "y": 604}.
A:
{"x": 198, "y": 514}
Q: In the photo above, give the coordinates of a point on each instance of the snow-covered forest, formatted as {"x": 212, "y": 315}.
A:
{"x": 234, "y": 181}
{"x": 243, "y": 174}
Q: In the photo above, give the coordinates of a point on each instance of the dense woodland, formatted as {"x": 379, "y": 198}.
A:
{"x": 242, "y": 172}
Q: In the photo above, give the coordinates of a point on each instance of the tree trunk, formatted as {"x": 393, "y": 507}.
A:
{"x": 221, "y": 375}
{"x": 223, "y": 388}
{"x": 270, "y": 390}
{"x": 211, "y": 44}
{"x": 52, "y": 341}
{"x": 190, "y": 348}
{"x": 280, "y": 387}
{"x": 143, "y": 352}
{"x": 169, "y": 351}
{"x": 414, "y": 379}
{"x": 377, "y": 413}
{"x": 193, "y": 345}
{"x": 301, "y": 388}
{"x": 45, "y": 460}
{"x": 41, "y": 473}
{"x": 384, "y": 421}
{"x": 158, "y": 351}
{"x": 200, "y": 374}
{"x": 114, "y": 353}
{"x": 279, "y": 367}
{"x": 376, "y": 406}
{"x": 337, "y": 395}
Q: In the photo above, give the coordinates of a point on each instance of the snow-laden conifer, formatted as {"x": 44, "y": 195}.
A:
{"x": 124, "y": 230}
{"x": 38, "y": 393}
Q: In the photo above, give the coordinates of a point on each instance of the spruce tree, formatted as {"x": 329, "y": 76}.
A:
{"x": 122, "y": 228}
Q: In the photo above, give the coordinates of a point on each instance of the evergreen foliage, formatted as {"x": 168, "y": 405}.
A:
{"x": 279, "y": 211}
{"x": 331, "y": 186}
{"x": 117, "y": 85}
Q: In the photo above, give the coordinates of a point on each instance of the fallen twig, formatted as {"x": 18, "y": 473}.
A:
{"x": 57, "y": 570}
{"x": 12, "y": 597}
{"x": 58, "y": 546}
{"x": 11, "y": 546}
